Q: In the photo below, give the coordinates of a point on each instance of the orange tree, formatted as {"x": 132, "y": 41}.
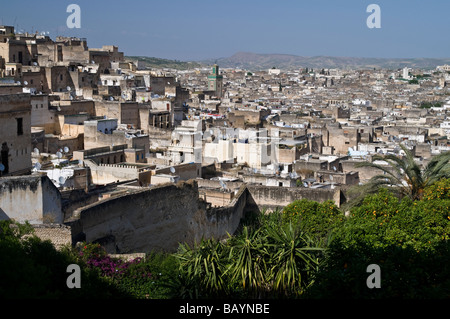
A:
{"x": 408, "y": 239}
{"x": 317, "y": 220}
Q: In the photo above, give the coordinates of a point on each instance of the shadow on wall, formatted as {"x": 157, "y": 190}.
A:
{"x": 3, "y": 215}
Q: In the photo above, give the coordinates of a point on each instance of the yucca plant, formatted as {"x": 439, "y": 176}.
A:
{"x": 248, "y": 258}
{"x": 202, "y": 268}
{"x": 294, "y": 259}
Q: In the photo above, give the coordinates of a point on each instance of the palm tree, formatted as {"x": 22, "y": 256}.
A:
{"x": 403, "y": 175}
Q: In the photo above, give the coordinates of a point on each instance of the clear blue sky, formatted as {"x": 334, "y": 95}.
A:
{"x": 200, "y": 29}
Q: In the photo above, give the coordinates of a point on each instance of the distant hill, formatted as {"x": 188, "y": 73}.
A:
{"x": 255, "y": 61}
{"x": 158, "y": 63}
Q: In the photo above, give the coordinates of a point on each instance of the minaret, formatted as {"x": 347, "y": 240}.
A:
{"x": 215, "y": 82}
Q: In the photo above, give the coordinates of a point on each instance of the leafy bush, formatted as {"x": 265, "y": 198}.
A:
{"x": 407, "y": 239}
{"x": 33, "y": 269}
{"x": 139, "y": 278}
{"x": 317, "y": 220}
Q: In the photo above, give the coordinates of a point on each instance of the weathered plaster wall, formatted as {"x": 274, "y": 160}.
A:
{"x": 31, "y": 198}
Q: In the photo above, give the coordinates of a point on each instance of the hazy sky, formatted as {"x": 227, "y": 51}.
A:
{"x": 201, "y": 29}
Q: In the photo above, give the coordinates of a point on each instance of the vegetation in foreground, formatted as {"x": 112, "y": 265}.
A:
{"x": 307, "y": 250}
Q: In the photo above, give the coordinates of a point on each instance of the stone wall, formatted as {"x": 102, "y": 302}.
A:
{"x": 59, "y": 235}
{"x": 272, "y": 197}
{"x": 162, "y": 217}
{"x": 155, "y": 219}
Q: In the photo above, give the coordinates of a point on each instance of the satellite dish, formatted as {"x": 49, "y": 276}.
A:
{"x": 36, "y": 151}
{"x": 69, "y": 89}
{"x": 224, "y": 186}
{"x": 62, "y": 180}
{"x": 305, "y": 184}
{"x": 26, "y": 83}
{"x": 66, "y": 149}
{"x": 37, "y": 166}
{"x": 59, "y": 155}
{"x": 2, "y": 167}
{"x": 80, "y": 162}
{"x": 172, "y": 170}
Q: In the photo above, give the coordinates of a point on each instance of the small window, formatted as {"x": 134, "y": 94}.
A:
{"x": 19, "y": 126}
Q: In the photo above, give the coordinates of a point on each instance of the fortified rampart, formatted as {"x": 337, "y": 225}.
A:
{"x": 272, "y": 197}
{"x": 158, "y": 218}
{"x": 141, "y": 220}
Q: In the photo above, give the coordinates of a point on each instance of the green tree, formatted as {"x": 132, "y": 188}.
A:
{"x": 408, "y": 239}
{"x": 403, "y": 175}
{"x": 33, "y": 269}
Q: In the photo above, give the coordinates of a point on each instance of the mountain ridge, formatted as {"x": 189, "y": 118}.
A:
{"x": 260, "y": 61}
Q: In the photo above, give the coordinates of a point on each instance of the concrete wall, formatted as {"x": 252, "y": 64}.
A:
{"x": 31, "y": 198}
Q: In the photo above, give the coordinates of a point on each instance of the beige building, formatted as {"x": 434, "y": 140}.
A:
{"x": 15, "y": 134}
